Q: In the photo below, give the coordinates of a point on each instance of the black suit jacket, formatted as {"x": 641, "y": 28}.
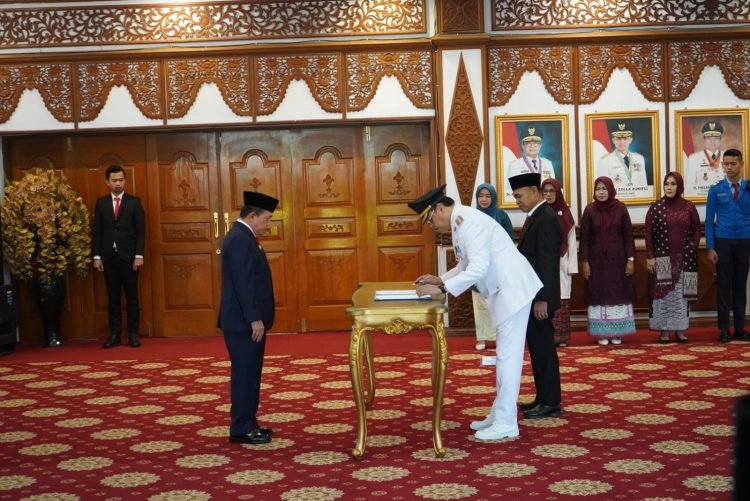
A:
{"x": 540, "y": 243}
{"x": 246, "y": 282}
{"x": 129, "y": 231}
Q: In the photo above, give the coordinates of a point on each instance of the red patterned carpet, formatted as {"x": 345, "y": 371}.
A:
{"x": 641, "y": 421}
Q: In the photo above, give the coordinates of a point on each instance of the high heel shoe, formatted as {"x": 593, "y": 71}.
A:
{"x": 664, "y": 338}
{"x": 681, "y": 337}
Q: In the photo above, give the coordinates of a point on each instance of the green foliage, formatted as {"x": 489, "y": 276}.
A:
{"x": 45, "y": 227}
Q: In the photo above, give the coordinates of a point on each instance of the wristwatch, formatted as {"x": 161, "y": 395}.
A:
{"x": 442, "y": 288}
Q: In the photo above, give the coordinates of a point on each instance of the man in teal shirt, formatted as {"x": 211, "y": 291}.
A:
{"x": 728, "y": 243}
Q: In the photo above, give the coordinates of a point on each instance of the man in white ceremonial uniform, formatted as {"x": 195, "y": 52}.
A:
{"x": 530, "y": 161}
{"x": 489, "y": 261}
{"x": 704, "y": 168}
{"x": 626, "y": 169}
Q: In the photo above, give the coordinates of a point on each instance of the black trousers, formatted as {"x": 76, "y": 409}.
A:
{"x": 540, "y": 339}
{"x": 246, "y": 357}
{"x": 119, "y": 275}
{"x": 731, "y": 277}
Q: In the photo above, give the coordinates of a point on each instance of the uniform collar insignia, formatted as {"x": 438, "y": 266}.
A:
{"x": 459, "y": 220}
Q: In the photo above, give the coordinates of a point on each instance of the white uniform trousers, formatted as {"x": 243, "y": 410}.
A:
{"x": 510, "y": 340}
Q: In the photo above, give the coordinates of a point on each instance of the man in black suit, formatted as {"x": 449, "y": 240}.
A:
{"x": 247, "y": 313}
{"x": 118, "y": 247}
{"x": 540, "y": 242}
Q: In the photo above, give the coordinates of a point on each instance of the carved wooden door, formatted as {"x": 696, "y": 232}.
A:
{"x": 397, "y": 167}
{"x": 186, "y": 230}
{"x": 259, "y": 161}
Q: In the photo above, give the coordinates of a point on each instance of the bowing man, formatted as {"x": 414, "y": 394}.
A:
{"x": 489, "y": 261}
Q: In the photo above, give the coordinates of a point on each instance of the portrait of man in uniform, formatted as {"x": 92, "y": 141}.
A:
{"x": 530, "y": 143}
{"x": 624, "y": 149}
{"x": 702, "y": 138}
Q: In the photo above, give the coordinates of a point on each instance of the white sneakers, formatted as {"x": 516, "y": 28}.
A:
{"x": 604, "y": 342}
{"x": 480, "y": 345}
{"x": 616, "y": 340}
{"x": 497, "y": 431}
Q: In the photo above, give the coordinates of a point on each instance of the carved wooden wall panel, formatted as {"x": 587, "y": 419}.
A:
{"x": 463, "y": 138}
{"x": 533, "y": 14}
{"x": 320, "y": 72}
{"x": 460, "y": 16}
{"x": 141, "y": 78}
{"x": 251, "y": 20}
{"x": 687, "y": 60}
{"x": 507, "y": 66}
{"x": 328, "y": 179}
{"x": 333, "y": 274}
{"x": 230, "y": 74}
{"x": 183, "y": 183}
{"x": 398, "y": 174}
{"x": 255, "y": 172}
{"x": 188, "y": 276}
{"x": 460, "y": 308}
{"x": 412, "y": 69}
{"x": 643, "y": 60}
{"x": 53, "y": 81}
{"x": 398, "y": 264}
{"x": 394, "y": 225}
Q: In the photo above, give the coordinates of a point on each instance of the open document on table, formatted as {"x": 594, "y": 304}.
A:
{"x": 399, "y": 295}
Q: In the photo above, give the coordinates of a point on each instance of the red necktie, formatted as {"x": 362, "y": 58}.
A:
{"x": 526, "y": 223}
{"x": 117, "y": 208}
{"x": 735, "y": 191}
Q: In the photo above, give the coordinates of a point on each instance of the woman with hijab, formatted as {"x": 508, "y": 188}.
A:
{"x": 673, "y": 231}
{"x": 568, "y": 258}
{"x": 607, "y": 265}
{"x": 486, "y": 197}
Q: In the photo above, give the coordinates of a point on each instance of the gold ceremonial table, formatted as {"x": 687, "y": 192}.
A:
{"x": 393, "y": 317}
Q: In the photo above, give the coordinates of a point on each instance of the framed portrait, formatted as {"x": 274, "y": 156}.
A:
{"x": 624, "y": 146}
{"x": 531, "y": 143}
{"x": 702, "y": 137}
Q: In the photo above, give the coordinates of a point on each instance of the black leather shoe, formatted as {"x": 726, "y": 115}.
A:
{"x": 543, "y": 411}
{"x": 528, "y": 406}
{"x": 254, "y": 437}
{"x": 112, "y": 340}
{"x": 723, "y": 337}
{"x": 134, "y": 341}
{"x": 267, "y": 431}
{"x": 742, "y": 336}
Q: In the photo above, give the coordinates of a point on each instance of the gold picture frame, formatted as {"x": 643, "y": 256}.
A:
{"x": 511, "y": 158}
{"x": 701, "y": 137}
{"x": 624, "y": 146}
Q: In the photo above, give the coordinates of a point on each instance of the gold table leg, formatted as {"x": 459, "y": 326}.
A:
{"x": 439, "y": 369}
{"x": 367, "y": 343}
{"x": 355, "y": 368}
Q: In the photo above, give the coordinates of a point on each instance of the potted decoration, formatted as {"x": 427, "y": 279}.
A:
{"x": 45, "y": 227}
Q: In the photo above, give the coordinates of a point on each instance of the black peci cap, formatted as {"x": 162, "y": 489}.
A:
{"x": 259, "y": 200}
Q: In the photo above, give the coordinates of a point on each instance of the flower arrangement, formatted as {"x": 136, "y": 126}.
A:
{"x": 45, "y": 227}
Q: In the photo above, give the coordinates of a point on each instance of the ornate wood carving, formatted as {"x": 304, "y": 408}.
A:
{"x": 412, "y": 69}
{"x": 507, "y": 66}
{"x": 328, "y": 178}
{"x": 644, "y": 61}
{"x": 230, "y": 74}
{"x": 341, "y": 227}
{"x": 460, "y": 16}
{"x": 397, "y": 174}
{"x": 320, "y": 72}
{"x": 141, "y": 78}
{"x": 533, "y": 14}
{"x": 687, "y": 60}
{"x": 251, "y": 20}
{"x": 185, "y": 232}
{"x": 464, "y": 138}
{"x": 183, "y": 183}
{"x": 258, "y": 173}
{"x": 391, "y": 225}
{"x": 53, "y": 81}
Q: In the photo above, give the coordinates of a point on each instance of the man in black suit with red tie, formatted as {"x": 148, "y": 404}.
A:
{"x": 540, "y": 242}
{"x": 247, "y": 313}
{"x": 118, "y": 247}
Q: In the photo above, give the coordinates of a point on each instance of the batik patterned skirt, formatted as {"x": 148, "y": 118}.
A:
{"x": 608, "y": 322}
{"x": 670, "y": 313}
{"x": 561, "y": 322}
